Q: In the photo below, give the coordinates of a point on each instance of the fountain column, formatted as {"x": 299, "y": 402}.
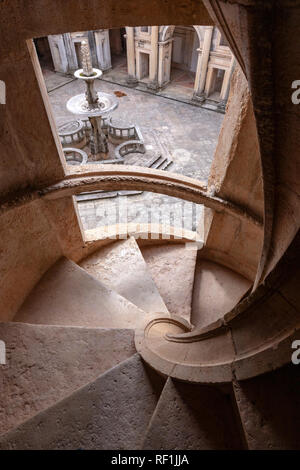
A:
{"x": 92, "y": 105}
{"x": 98, "y": 144}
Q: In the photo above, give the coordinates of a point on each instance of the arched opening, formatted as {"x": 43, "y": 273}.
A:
{"x": 184, "y": 58}
{"x": 117, "y": 42}
{"x": 195, "y": 63}
{"x": 44, "y": 53}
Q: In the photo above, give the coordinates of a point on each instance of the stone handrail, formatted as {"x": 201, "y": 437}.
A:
{"x": 128, "y": 177}
{"x": 72, "y": 133}
{"x": 223, "y": 352}
{"x": 253, "y": 338}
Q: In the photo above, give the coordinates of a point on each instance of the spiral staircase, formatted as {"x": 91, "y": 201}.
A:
{"x": 134, "y": 348}
{"x": 132, "y": 345}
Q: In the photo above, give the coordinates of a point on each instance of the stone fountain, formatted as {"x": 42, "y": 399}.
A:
{"x": 92, "y": 104}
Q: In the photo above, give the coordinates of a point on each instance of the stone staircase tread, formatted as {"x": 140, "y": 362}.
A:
{"x": 68, "y": 295}
{"x": 121, "y": 266}
{"x": 269, "y": 408}
{"x": 96, "y": 195}
{"x": 217, "y": 290}
{"x": 172, "y": 266}
{"x": 192, "y": 417}
{"x": 43, "y": 364}
{"x": 112, "y": 412}
{"x": 165, "y": 165}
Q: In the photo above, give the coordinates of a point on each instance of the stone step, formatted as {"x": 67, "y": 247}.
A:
{"x": 110, "y": 413}
{"x": 68, "y": 295}
{"x": 193, "y": 417}
{"x": 217, "y": 290}
{"x": 129, "y": 193}
{"x": 165, "y": 165}
{"x": 96, "y": 195}
{"x": 44, "y": 364}
{"x": 122, "y": 267}
{"x": 153, "y": 160}
{"x": 159, "y": 163}
{"x": 269, "y": 406}
{"x": 173, "y": 266}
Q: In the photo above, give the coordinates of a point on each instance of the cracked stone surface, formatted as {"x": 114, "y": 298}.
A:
{"x": 43, "y": 364}
{"x": 122, "y": 267}
{"x": 110, "y": 413}
{"x": 173, "y": 267}
{"x": 192, "y": 417}
{"x": 68, "y": 295}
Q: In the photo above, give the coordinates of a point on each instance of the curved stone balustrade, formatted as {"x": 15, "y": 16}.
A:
{"x": 119, "y": 131}
{"x": 75, "y": 156}
{"x": 130, "y": 146}
{"x": 86, "y": 125}
{"x": 72, "y": 134}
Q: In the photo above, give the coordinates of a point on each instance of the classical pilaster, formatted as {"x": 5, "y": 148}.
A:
{"x": 70, "y": 52}
{"x": 153, "y": 70}
{"x": 131, "y": 79}
{"x": 58, "y": 52}
{"x": 164, "y": 62}
{"x": 102, "y": 49}
{"x": 203, "y": 58}
{"x": 226, "y": 81}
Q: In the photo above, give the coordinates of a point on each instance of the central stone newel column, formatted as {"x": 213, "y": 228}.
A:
{"x": 92, "y": 104}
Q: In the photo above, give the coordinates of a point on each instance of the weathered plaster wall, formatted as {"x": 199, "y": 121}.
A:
{"x": 65, "y": 222}
{"x": 32, "y": 238}
{"x": 236, "y": 173}
{"x": 236, "y": 176}
{"x": 28, "y": 248}
{"x": 271, "y": 64}
{"x": 287, "y": 129}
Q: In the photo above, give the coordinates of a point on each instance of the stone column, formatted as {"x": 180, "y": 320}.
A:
{"x": 70, "y": 51}
{"x": 131, "y": 79}
{"x": 153, "y": 72}
{"x": 58, "y": 52}
{"x": 98, "y": 141}
{"x": 226, "y": 81}
{"x": 202, "y": 63}
{"x": 103, "y": 49}
{"x": 92, "y": 45}
{"x": 164, "y": 62}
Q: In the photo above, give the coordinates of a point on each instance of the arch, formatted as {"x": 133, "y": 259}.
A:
{"x": 167, "y": 33}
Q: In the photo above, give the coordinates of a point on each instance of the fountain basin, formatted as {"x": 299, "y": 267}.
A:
{"x": 79, "y": 105}
{"x": 79, "y": 74}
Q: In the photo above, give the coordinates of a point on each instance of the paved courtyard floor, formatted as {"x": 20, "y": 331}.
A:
{"x": 189, "y": 134}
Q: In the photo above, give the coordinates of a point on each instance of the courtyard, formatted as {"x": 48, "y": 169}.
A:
{"x": 186, "y": 134}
